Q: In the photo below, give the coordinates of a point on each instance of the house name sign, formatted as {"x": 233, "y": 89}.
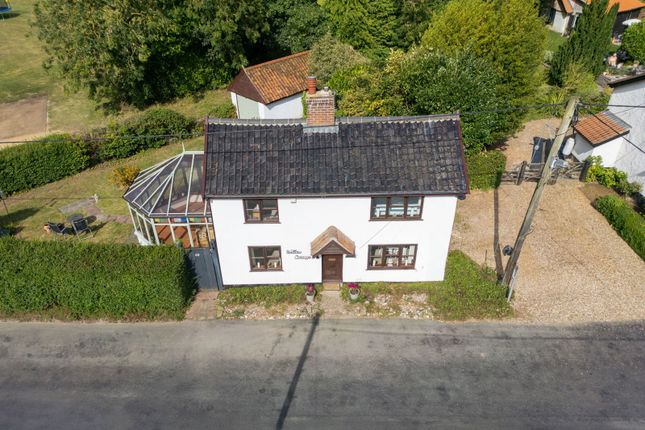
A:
{"x": 298, "y": 254}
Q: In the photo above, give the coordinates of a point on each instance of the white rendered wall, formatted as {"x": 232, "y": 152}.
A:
{"x": 287, "y": 108}
{"x": 631, "y": 158}
{"x": 560, "y": 22}
{"x": 608, "y": 151}
{"x": 302, "y": 220}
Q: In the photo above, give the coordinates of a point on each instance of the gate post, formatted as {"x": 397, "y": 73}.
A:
{"x": 520, "y": 174}
{"x": 585, "y": 170}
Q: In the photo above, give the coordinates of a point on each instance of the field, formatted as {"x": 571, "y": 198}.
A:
{"x": 23, "y": 76}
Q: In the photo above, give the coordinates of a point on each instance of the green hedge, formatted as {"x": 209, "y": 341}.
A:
{"x": 485, "y": 169}
{"x": 76, "y": 280}
{"x": 629, "y": 224}
{"x": 154, "y": 122}
{"x": 30, "y": 165}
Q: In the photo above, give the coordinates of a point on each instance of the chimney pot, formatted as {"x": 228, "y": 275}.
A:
{"x": 311, "y": 84}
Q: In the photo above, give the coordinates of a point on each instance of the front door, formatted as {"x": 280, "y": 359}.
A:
{"x": 332, "y": 268}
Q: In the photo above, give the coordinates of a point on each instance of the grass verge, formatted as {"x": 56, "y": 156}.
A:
{"x": 268, "y": 295}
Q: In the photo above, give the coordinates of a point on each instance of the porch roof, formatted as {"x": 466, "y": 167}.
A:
{"x": 333, "y": 240}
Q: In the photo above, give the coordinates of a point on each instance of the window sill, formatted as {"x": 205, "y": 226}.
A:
{"x": 266, "y": 270}
{"x": 262, "y": 222}
{"x": 391, "y": 268}
{"x": 396, "y": 219}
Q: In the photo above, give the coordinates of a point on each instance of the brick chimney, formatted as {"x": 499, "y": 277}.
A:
{"x": 321, "y": 105}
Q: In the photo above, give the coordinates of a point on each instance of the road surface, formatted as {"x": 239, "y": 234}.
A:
{"x": 327, "y": 374}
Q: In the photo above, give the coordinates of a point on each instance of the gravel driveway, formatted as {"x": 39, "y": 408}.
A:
{"x": 574, "y": 267}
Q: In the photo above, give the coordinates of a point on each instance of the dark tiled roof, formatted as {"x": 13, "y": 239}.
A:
{"x": 358, "y": 156}
{"x": 627, "y": 80}
{"x": 601, "y": 127}
{"x": 273, "y": 80}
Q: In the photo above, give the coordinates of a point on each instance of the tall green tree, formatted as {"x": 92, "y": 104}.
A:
{"x": 329, "y": 55}
{"x": 295, "y": 25}
{"x": 368, "y": 25}
{"x": 589, "y": 42}
{"x": 414, "y": 19}
{"x": 142, "y": 51}
{"x": 634, "y": 42}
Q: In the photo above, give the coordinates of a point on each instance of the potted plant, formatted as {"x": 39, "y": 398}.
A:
{"x": 354, "y": 290}
{"x": 310, "y": 293}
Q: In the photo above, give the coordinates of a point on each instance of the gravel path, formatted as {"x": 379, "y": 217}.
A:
{"x": 574, "y": 267}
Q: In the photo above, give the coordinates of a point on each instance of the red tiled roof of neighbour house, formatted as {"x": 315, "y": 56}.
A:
{"x": 568, "y": 8}
{"x": 601, "y": 127}
{"x": 625, "y": 5}
{"x": 273, "y": 80}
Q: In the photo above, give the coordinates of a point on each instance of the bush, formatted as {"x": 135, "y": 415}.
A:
{"x": 30, "y": 165}
{"x": 74, "y": 280}
{"x": 611, "y": 177}
{"x": 263, "y": 295}
{"x": 154, "y": 122}
{"x": 124, "y": 176}
{"x": 629, "y": 224}
{"x": 485, "y": 169}
{"x": 224, "y": 110}
{"x": 634, "y": 42}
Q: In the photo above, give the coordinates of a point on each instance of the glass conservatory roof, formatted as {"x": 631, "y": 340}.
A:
{"x": 170, "y": 188}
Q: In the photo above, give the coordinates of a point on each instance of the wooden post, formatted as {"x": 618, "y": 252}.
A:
{"x": 520, "y": 174}
{"x": 539, "y": 189}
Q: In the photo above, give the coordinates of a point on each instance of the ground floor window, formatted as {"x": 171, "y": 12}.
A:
{"x": 263, "y": 258}
{"x": 392, "y": 256}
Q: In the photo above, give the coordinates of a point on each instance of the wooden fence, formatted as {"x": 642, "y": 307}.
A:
{"x": 532, "y": 171}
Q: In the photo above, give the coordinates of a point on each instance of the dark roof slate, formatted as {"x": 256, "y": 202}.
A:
{"x": 358, "y": 156}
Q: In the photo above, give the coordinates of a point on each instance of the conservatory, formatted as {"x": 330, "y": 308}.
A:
{"x": 167, "y": 206}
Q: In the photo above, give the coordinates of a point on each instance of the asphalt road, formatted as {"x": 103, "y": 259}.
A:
{"x": 331, "y": 374}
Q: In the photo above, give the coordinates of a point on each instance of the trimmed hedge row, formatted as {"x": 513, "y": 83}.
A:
{"x": 75, "y": 280}
{"x": 33, "y": 164}
{"x": 485, "y": 169}
{"x": 30, "y": 165}
{"x": 629, "y": 224}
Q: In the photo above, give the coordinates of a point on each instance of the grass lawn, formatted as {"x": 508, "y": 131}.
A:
{"x": 553, "y": 40}
{"x": 468, "y": 291}
{"x": 22, "y": 75}
{"x": 29, "y": 211}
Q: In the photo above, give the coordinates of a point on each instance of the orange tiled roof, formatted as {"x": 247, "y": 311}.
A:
{"x": 625, "y": 5}
{"x": 601, "y": 127}
{"x": 567, "y": 6}
{"x": 273, "y": 80}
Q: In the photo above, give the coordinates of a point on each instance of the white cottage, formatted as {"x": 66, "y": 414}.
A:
{"x": 271, "y": 90}
{"x": 333, "y": 200}
{"x": 617, "y": 134}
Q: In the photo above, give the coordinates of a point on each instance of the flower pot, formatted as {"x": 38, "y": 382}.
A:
{"x": 354, "y": 293}
{"x": 310, "y": 297}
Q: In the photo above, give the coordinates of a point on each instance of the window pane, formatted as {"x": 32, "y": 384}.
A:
{"x": 414, "y": 207}
{"x": 407, "y": 253}
{"x": 257, "y": 259}
{"x": 396, "y": 207}
{"x": 273, "y": 258}
{"x": 252, "y": 208}
{"x": 270, "y": 210}
{"x": 379, "y": 207}
{"x": 376, "y": 256}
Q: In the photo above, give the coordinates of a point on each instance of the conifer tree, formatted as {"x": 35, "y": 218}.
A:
{"x": 589, "y": 42}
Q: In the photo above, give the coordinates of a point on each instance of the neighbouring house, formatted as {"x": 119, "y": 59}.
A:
{"x": 271, "y": 90}
{"x": 563, "y": 14}
{"x": 333, "y": 200}
{"x": 324, "y": 199}
{"x": 618, "y": 133}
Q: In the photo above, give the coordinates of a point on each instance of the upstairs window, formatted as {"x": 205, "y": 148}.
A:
{"x": 396, "y": 208}
{"x": 392, "y": 256}
{"x": 265, "y": 258}
{"x": 261, "y": 210}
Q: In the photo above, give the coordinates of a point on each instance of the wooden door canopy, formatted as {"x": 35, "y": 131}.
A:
{"x": 332, "y": 241}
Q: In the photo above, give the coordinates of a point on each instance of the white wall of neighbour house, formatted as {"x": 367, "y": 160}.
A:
{"x": 608, "y": 151}
{"x": 560, "y": 22}
{"x": 287, "y": 108}
{"x": 302, "y": 220}
{"x": 246, "y": 108}
{"x": 631, "y": 158}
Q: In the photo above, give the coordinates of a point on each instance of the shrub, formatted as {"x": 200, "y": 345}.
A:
{"x": 76, "y": 280}
{"x": 224, "y": 110}
{"x": 124, "y": 176}
{"x": 611, "y": 177}
{"x": 485, "y": 169}
{"x": 634, "y": 42}
{"x": 30, "y": 165}
{"x": 264, "y": 295}
{"x": 123, "y": 141}
{"x": 629, "y": 224}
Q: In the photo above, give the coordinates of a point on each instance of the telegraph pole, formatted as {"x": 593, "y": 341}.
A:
{"x": 539, "y": 189}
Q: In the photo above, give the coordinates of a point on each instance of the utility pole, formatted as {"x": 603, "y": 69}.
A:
{"x": 539, "y": 189}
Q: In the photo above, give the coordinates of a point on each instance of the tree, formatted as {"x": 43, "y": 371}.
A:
{"x": 634, "y": 42}
{"x": 329, "y": 55}
{"x": 296, "y": 24}
{"x": 414, "y": 19}
{"x": 367, "y": 25}
{"x": 509, "y": 34}
{"x": 589, "y": 42}
{"x": 142, "y": 51}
